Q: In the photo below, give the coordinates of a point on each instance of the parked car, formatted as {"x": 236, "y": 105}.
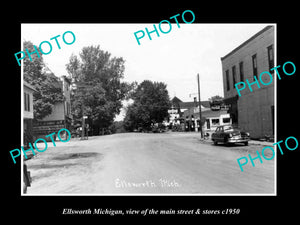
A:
{"x": 158, "y": 128}
{"x": 228, "y": 134}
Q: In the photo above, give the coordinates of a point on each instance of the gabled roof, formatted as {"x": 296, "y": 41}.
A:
{"x": 28, "y": 85}
{"x": 212, "y": 113}
{"x": 186, "y": 105}
{"x": 175, "y": 100}
{"x": 206, "y": 113}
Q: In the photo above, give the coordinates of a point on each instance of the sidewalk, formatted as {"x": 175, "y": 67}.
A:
{"x": 263, "y": 143}
{"x": 251, "y": 142}
{"x": 209, "y": 141}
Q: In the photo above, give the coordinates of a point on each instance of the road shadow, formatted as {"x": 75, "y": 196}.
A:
{"x": 77, "y": 155}
{"x": 51, "y": 166}
{"x": 230, "y": 145}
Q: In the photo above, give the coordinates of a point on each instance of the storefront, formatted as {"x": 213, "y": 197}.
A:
{"x": 211, "y": 119}
{"x": 232, "y": 108}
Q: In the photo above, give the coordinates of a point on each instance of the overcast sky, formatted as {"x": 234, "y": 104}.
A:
{"x": 174, "y": 58}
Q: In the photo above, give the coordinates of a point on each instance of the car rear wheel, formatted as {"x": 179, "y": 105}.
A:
{"x": 226, "y": 141}
{"x": 215, "y": 142}
{"x": 246, "y": 143}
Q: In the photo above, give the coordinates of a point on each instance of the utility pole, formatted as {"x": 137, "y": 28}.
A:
{"x": 83, "y": 122}
{"x": 199, "y": 105}
{"x": 81, "y": 86}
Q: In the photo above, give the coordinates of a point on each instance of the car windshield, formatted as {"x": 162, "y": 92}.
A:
{"x": 228, "y": 128}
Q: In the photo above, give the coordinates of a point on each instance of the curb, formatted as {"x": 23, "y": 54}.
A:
{"x": 252, "y": 142}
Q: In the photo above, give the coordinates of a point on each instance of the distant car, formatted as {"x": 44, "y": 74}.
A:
{"x": 158, "y": 128}
{"x": 227, "y": 134}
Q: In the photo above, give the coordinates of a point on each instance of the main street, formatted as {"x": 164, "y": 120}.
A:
{"x": 148, "y": 163}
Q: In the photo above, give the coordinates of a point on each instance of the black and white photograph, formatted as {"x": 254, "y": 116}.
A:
{"x": 150, "y": 111}
{"x": 171, "y": 108}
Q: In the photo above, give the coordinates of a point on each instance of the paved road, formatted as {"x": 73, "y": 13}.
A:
{"x": 143, "y": 163}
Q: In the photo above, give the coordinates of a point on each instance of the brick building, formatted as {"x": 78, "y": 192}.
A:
{"x": 252, "y": 111}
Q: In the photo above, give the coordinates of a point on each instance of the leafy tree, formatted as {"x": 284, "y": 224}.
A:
{"x": 215, "y": 98}
{"x": 150, "y": 106}
{"x": 47, "y": 85}
{"x": 117, "y": 127}
{"x": 100, "y": 90}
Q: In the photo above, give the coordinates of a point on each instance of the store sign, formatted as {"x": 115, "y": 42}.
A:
{"x": 219, "y": 105}
{"x": 173, "y": 111}
{"x": 49, "y": 123}
{"x": 46, "y": 126}
{"x": 215, "y": 107}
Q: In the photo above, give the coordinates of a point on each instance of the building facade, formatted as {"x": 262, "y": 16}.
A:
{"x": 182, "y": 113}
{"x": 61, "y": 112}
{"x": 174, "y": 112}
{"x": 211, "y": 119}
{"x": 28, "y": 91}
{"x": 252, "y": 111}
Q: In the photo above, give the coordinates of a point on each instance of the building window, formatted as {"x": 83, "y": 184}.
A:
{"x": 26, "y": 102}
{"x": 271, "y": 57}
{"x": 227, "y": 80}
{"x": 254, "y": 65}
{"x": 215, "y": 122}
{"x": 241, "y": 71}
{"x": 233, "y": 76}
{"x": 226, "y": 120}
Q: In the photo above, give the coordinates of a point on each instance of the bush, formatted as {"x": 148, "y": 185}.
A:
{"x": 177, "y": 127}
